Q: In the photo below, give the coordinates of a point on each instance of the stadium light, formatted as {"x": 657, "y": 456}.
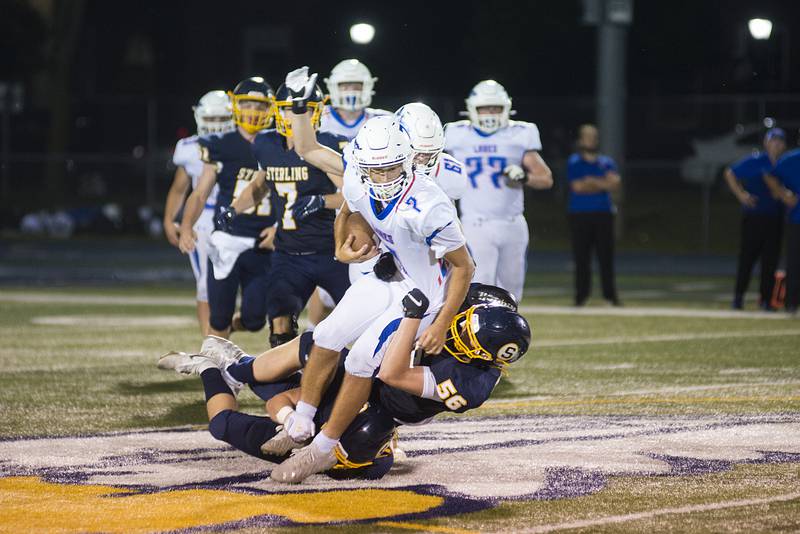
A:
{"x": 760, "y": 28}
{"x": 362, "y": 33}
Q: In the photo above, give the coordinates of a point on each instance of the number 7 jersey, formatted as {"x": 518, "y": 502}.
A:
{"x": 488, "y": 194}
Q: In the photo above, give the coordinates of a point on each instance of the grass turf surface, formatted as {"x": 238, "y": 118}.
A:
{"x": 67, "y": 379}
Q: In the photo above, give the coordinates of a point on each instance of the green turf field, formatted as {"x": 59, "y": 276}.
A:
{"x": 81, "y": 362}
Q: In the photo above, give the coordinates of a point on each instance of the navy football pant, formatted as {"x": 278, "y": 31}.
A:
{"x": 251, "y": 273}
{"x": 293, "y": 279}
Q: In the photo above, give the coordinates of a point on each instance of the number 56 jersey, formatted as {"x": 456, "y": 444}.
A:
{"x": 488, "y": 194}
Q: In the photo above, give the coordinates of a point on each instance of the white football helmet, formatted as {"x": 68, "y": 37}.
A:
{"x": 213, "y": 113}
{"x": 425, "y": 130}
{"x": 350, "y": 70}
{"x": 488, "y": 93}
{"x": 381, "y": 143}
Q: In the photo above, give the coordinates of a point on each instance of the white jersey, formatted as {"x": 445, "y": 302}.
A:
{"x": 488, "y": 195}
{"x": 187, "y": 155}
{"x": 332, "y": 122}
{"x": 450, "y": 176}
{"x": 418, "y": 227}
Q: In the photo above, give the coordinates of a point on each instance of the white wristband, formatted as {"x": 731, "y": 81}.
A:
{"x": 283, "y": 413}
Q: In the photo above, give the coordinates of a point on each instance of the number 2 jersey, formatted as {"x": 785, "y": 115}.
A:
{"x": 290, "y": 179}
{"x": 236, "y": 166}
{"x": 418, "y": 227}
{"x": 488, "y": 194}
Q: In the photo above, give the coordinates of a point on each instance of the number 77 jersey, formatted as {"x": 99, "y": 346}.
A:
{"x": 485, "y": 156}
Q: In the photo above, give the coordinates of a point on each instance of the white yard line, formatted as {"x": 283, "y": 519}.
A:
{"x": 661, "y": 337}
{"x": 651, "y": 312}
{"x": 615, "y": 519}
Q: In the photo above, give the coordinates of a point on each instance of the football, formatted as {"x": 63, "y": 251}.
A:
{"x": 357, "y": 226}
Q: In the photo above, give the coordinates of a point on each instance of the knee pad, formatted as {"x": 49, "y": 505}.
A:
{"x": 219, "y": 424}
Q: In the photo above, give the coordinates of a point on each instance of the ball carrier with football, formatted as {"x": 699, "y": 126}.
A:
{"x": 418, "y": 227}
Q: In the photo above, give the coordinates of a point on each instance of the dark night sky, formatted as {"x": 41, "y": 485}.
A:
{"x": 173, "y": 52}
{"x": 432, "y": 48}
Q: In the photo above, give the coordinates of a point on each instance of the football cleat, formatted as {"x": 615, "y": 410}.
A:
{"x": 223, "y": 353}
{"x": 185, "y": 363}
{"x": 281, "y": 444}
{"x": 302, "y": 464}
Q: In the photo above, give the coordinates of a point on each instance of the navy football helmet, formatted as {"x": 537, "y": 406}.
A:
{"x": 316, "y": 103}
{"x": 364, "y": 450}
{"x": 257, "y": 111}
{"x": 494, "y": 334}
{"x": 485, "y": 294}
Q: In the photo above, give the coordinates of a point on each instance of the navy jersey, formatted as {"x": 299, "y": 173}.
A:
{"x": 236, "y": 165}
{"x": 460, "y": 386}
{"x": 291, "y": 178}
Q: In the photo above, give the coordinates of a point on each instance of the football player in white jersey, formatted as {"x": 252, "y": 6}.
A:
{"x": 501, "y": 157}
{"x": 212, "y": 114}
{"x": 425, "y": 130}
{"x": 418, "y": 225}
{"x": 350, "y": 87}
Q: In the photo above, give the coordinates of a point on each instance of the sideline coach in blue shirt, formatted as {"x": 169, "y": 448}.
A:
{"x": 592, "y": 176}
{"x": 762, "y": 217}
{"x": 787, "y": 170}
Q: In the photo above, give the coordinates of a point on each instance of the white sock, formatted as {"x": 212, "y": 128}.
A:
{"x": 324, "y": 443}
{"x": 305, "y": 409}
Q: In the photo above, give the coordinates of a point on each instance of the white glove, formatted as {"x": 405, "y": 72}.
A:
{"x": 300, "y": 84}
{"x": 299, "y": 427}
{"x": 515, "y": 174}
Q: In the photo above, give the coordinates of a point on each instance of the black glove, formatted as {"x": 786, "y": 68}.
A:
{"x": 305, "y": 207}
{"x": 415, "y": 304}
{"x": 224, "y": 218}
{"x": 385, "y": 267}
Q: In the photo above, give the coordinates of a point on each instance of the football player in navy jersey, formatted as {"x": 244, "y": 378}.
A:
{"x": 305, "y": 200}
{"x": 237, "y": 255}
{"x": 485, "y": 337}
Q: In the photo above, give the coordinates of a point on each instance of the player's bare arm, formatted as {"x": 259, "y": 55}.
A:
{"x": 538, "y": 173}
{"x": 282, "y": 404}
{"x": 175, "y": 196}
{"x": 305, "y": 139}
{"x": 194, "y": 207}
{"x": 253, "y": 194}
{"x": 344, "y": 240}
{"x": 397, "y": 368}
{"x": 586, "y": 185}
{"x": 462, "y": 268}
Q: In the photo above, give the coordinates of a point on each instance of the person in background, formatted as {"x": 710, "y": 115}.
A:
{"x": 784, "y": 182}
{"x": 762, "y": 218}
{"x": 592, "y": 177}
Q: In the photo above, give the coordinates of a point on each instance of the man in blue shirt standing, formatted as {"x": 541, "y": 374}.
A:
{"x": 787, "y": 170}
{"x": 762, "y": 217}
{"x": 592, "y": 177}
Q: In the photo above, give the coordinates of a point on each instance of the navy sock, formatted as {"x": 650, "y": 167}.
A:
{"x": 243, "y": 370}
{"x": 213, "y": 384}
